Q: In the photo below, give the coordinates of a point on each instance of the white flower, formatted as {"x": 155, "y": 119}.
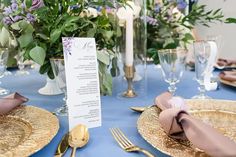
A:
{"x": 123, "y": 11}
{"x": 13, "y": 42}
{"x": 90, "y": 12}
{"x": 177, "y": 13}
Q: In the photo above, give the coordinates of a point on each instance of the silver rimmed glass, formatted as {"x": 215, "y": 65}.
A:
{"x": 173, "y": 65}
{"x": 201, "y": 54}
{"x": 4, "y": 52}
{"x": 58, "y": 68}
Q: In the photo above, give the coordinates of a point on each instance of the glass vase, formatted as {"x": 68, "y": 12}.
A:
{"x": 129, "y": 79}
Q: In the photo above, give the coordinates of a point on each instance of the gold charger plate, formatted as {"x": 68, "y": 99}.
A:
{"x": 220, "y": 114}
{"x": 26, "y": 130}
{"x": 230, "y": 83}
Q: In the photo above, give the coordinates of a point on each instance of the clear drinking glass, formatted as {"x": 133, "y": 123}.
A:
{"x": 3, "y": 61}
{"x": 58, "y": 68}
{"x": 201, "y": 53}
{"x": 21, "y": 65}
{"x": 173, "y": 65}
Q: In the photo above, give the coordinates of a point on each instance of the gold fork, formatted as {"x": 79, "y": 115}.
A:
{"x": 125, "y": 143}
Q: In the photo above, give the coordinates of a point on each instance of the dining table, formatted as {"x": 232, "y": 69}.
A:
{"x": 116, "y": 112}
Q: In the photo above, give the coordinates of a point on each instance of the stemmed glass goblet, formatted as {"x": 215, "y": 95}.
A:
{"x": 58, "y": 68}
{"x": 204, "y": 61}
{"x": 21, "y": 65}
{"x": 3, "y": 61}
{"x": 173, "y": 65}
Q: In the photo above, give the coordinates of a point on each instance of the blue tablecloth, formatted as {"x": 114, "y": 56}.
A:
{"x": 115, "y": 111}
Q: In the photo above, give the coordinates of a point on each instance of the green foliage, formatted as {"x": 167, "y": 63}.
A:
{"x": 42, "y": 39}
{"x": 105, "y": 79}
{"x": 25, "y": 39}
{"x": 230, "y": 20}
{"x": 38, "y": 54}
{"x": 169, "y": 28}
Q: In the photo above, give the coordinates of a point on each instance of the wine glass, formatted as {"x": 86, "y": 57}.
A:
{"x": 173, "y": 65}
{"x": 58, "y": 68}
{"x": 21, "y": 65}
{"x": 204, "y": 61}
{"x": 3, "y": 61}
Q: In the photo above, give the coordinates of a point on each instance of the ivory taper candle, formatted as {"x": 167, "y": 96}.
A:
{"x": 129, "y": 58}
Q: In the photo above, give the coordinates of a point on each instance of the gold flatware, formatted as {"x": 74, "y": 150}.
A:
{"x": 126, "y": 144}
{"x": 78, "y": 137}
{"x": 62, "y": 146}
{"x": 140, "y": 109}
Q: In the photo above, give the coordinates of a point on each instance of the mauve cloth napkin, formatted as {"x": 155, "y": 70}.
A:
{"x": 178, "y": 124}
{"x": 225, "y": 62}
{"x": 10, "y": 102}
{"x": 228, "y": 75}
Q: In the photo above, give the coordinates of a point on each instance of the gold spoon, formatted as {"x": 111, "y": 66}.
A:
{"x": 140, "y": 109}
{"x": 78, "y": 137}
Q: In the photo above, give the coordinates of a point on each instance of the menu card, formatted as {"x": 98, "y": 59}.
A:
{"x": 83, "y": 93}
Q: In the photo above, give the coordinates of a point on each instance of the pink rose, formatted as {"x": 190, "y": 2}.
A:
{"x": 36, "y": 4}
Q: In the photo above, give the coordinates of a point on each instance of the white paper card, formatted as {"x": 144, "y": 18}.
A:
{"x": 83, "y": 94}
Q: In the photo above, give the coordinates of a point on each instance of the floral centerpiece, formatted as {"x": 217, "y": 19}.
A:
{"x": 168, "y": 27}
{"x": 39, "y": 25}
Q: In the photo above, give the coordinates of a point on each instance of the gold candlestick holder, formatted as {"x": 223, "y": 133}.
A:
{"x": 129, "y": 74}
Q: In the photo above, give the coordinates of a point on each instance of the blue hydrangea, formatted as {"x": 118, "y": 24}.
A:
{"x": 157, "y": 8}
{"x": 7, "y": 10}
{"x": 181, "y": 4}
{"x": 14, "y": 6}
{"x": 30, "y": 17}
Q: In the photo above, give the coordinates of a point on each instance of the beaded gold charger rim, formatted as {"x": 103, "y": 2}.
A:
{"x": 150, "y": 129}
{"x": 36, "y": 127}
{"x": 229, "y": 83}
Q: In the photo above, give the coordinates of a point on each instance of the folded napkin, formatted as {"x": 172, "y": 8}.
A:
{"x": 10, "y": 102}
{"x": 178, "y": 124}
{"x": 228, "y": 75}
{"x": 225, "y": 62}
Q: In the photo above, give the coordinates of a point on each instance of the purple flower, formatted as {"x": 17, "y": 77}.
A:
{"x": 157, "y": 8}
{"x": 14, "y": 6}
{"x": 17, "y": 18}
{"x": 181, "y": 4}
{"x": 36, "y": 4}
{"x": 30, "y": 17}
{"x": 7, "y": 10}
{"x": 108, "y": 9}
{"x": 7, "y": 20}
{"x": 150, "y": 20}
{"x": 99, "y": 8}
{"x": 23, "y": 5}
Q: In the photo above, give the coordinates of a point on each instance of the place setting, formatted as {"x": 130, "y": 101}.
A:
{"x": 117, "y": 78}
{"x": 228, "y": 78}
{"x": 24, "y": 129}
{"x": 218, "y": 114}
{"x": 227, "y": 73}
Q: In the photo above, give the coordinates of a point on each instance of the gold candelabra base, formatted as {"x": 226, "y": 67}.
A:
{"x": 129, "y": 94}
{"x": 129, "y": 74}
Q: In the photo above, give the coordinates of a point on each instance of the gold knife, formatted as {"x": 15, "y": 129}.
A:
{"x": 62, "y": 146}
